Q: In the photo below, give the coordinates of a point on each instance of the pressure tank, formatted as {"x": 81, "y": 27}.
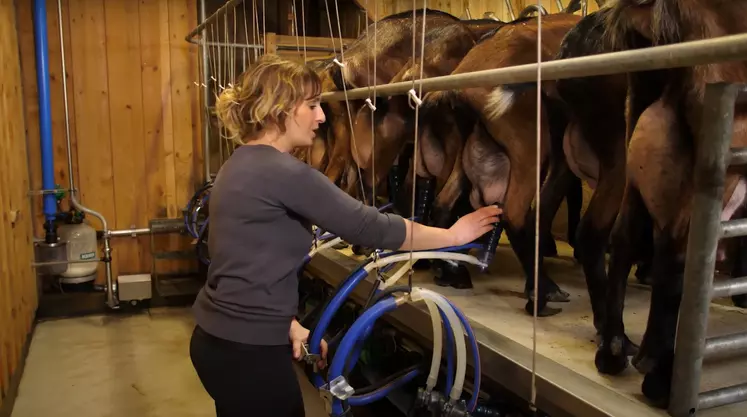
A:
{"x": 81, "y": 246}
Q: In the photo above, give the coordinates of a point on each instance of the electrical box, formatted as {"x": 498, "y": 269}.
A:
{"x": 134, "y": 287}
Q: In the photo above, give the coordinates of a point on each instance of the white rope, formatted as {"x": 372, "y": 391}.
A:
{"x": 246, "y": 36}
{"x": 344, "y": 87}
{"x": 418, "y": 102}
{"x": 533, "y": 401}
{"x": 372, "y": 104}
{"x": 303, "y": 29}
{"x": 294, "y": 26}
{"x": 264, "y": 23}
{"x": 255, "y": 30}
{"x": 233, "y": 52}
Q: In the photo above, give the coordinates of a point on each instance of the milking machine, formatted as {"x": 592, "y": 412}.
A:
{"x": 197, "y": 218}
{"x": 384, "y": 298}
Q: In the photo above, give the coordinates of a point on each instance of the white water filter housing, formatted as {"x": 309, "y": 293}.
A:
{"x": 81, "y": 246}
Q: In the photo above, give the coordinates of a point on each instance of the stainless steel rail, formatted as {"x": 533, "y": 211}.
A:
{"x": 706, "y": 229}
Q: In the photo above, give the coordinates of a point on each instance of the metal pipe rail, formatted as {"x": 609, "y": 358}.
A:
{"x": 706, "y": 229}
{"x": 685, "y": 54}
{"x": 218, "y": 13}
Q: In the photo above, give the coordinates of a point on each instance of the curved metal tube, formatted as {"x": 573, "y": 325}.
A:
{"x": 510, "y": 8}
{"x": 111, "y": 291}
{"x": 532, "y": 8}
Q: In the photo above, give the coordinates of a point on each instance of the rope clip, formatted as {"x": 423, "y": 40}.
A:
{"x": 370, "y": 104}
{"x": 339, "y": 64}
{"x": 414, "y": 97}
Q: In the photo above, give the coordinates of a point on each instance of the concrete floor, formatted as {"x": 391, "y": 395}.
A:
{"x": 102, "y": 366}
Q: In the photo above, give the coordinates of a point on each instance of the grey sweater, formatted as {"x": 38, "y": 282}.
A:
{"x": 262, "y": 205}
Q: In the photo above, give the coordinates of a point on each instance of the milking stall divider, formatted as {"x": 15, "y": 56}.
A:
{"x": 504, "y": 361}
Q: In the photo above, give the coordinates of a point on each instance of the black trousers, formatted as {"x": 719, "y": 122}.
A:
{"x": 247, "y": 380}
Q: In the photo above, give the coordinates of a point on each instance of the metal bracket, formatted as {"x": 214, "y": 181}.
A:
{"x": 311, "y": 358}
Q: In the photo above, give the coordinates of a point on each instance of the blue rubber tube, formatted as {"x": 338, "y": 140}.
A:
{"x": 475, "y": 355}
{"x": 359, "y": 400}
{"x": 41, "y": 44}
{"x": 368, "y": 318}
{"x": 326, "y": 317}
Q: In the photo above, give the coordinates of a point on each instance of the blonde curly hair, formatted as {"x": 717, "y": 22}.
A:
{"x": 264, "y": 96}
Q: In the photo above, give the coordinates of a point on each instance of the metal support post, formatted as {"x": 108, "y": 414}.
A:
{"x": 205, "y": 96}
{"x": 712, "y": 150}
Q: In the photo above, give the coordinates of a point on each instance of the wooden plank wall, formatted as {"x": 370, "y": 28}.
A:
{"x": 18, "y": 289}
{"x": 477, "y": 8}
{"x": 134, "y": 112}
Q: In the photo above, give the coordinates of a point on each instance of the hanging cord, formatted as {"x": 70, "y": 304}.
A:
{"x": 341, "y": 64}
{"x": 537, "y": 211}
{"x": 372, "y": 104}
{"x": 303, "y": 29}
{"x": 255, "y": 31}
{"x": 246, "y": 36}
{"x": 233, "y": 51}
{"x": 416, "y": 99}
{"x": 264, "y": 24}
{"x": 295, "y": 27}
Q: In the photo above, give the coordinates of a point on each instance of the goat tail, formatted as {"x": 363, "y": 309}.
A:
{"x": 503, "y": 97}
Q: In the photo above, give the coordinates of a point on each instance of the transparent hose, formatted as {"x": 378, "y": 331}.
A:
{"x": 458, "y": 331}
{"x": 437, "y": 341}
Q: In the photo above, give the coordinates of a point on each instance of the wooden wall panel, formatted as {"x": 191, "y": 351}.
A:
{"x": 18, "y": 289}
{"x": 134, "y": 113}
{"x": 477, "y": 8}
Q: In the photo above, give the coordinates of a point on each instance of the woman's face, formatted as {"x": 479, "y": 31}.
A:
{"x": 306, "y": 118}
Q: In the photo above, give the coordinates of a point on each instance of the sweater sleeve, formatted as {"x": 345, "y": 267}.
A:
{"x": 310, "y": 194}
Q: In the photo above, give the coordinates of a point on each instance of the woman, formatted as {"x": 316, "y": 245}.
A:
{"x": 262, "y": 206}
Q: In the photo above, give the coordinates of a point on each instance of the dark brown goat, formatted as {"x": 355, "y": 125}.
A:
{"x": 394, "y": 45}
{"x": 663, "y": 139}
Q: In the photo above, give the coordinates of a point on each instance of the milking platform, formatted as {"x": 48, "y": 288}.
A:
{"x": 568, "y": 383}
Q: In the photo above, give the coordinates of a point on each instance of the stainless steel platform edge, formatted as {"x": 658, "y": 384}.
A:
{"x": 560, "y": 390}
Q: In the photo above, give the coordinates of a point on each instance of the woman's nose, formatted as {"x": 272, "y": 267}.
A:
{"x": 319, "y": 116}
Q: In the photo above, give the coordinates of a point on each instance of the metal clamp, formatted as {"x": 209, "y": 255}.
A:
{"x": 339, "y": 388}
{"x": 311, "y": 358}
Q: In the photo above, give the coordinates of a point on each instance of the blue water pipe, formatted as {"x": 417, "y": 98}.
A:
{"x": 339, "y": 361}
{"x": 41, "y": 44}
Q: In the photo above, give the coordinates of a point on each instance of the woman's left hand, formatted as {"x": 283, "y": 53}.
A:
{"x": 298, "y": 336}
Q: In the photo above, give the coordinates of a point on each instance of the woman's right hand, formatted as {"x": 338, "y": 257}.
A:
{"x": 473, "y": 225}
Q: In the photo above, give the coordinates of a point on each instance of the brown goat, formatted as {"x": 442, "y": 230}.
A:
{"x": 663, "y": 139}
{"x": 498, "y": 154}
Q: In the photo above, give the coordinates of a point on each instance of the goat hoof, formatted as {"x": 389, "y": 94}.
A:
{"x": 644, "y": 363}
{"x": 360, "y": 250}
{"x": 549, "y": 250}
{"x": 422, "y": 265}
{"x": 339, "y": 246}
{"x": 558, "y": 296}
{"x": 740, "y": 300}
{"x": 609, "y": 363}
{"x": 631, "y": 349}
{"x": 545, "y": 311}
{"x": 450, "y": 276}
{"x": 658, "y": 383}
